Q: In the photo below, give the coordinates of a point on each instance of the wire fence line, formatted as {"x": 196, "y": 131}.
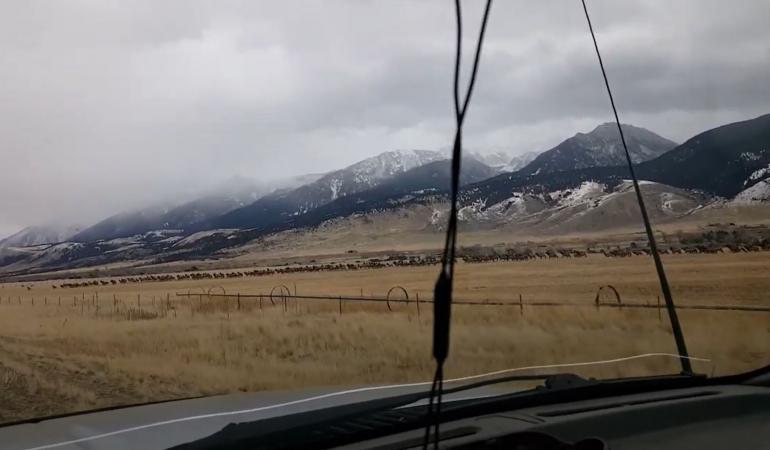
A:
{"x": 284, "y": 297}
{"x": 215, "y": 299}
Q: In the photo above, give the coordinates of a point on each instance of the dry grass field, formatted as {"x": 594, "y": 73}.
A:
{"x": 82, "y": 348}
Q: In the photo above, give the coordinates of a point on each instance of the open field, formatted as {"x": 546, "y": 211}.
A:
{"x": 81, "y": 348}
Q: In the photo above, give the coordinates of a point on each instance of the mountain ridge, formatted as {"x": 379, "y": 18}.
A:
{"x": 601, "y": 147}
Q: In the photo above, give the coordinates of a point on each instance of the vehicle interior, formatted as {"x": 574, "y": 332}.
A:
{"x": 311, "y": 316}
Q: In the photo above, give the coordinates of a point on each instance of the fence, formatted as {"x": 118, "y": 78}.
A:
{"x": 161, "y": 306}
{"x": 283, "y": 294}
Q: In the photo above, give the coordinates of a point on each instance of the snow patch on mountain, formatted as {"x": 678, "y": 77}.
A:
{"x": 586, "y": 202}
{"x": 750, "y": 156}
{"x": 334, "y": 185}
{"x": 758, "y": 193}
{"x": 195, "y": 237}
{"x": 583, "y": 194}
{"x": 758, "y": 174}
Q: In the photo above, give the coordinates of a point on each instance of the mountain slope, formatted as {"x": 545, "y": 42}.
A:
{"x": 518, "y": 162}
{"x": 126, "y": 224}
{"x": 428, "y": 180}
{"x": 169, "y": 245}
{"x": 496, "y": 160}
{"x": 588, "y": 206}
{"x": 358, "y": 177}
{"x": 599, "y": 148}
{"x": 37, "y": 235}
{"x": 235, "y": 193}
{"x": 724, "y": 160}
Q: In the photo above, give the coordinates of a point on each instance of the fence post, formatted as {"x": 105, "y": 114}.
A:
{"x": 521, "y": 305}
{"x": 238, "y": 299}
{"x": 417, "y": 299}
{"x": 260, "y": 302}
{"x": 60, "y": 300}
{"x": 340, "y": 305}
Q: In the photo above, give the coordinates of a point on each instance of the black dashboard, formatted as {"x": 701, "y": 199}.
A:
{"x": 712, "y": 417}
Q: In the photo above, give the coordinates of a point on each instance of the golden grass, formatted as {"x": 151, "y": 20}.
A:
{"x": 56, "y": 359}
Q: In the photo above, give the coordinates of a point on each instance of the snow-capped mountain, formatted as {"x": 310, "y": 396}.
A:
{"x": 600, "y": 148}
{"x": 167, "y": 245}
{"x": 723, "y": 167}
{"x": 518, "y": 162}
{"x": 37, "y": 235}
{"x": 496, "y": 160}
{"x": 371, "y": 171}
{"x": 358, "y": 177}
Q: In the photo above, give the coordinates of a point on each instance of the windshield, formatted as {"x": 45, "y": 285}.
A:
{"x": 216, "y": 198}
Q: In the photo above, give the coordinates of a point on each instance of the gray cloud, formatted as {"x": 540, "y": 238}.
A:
{"x": 107, "y": 105}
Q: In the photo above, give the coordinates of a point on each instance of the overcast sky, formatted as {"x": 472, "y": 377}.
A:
{"x": 108, "y": 105}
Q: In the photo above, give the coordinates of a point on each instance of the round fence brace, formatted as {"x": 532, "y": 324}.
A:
{"x": 387, "y": 297}
{"x": 224, "y": 296}
{"x": 610, "y": 287}
{"x": 200, "y": 296}
{"x": 283, "y": 290}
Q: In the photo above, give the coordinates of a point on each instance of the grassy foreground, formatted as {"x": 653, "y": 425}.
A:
{"x": 64, "y": 355}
